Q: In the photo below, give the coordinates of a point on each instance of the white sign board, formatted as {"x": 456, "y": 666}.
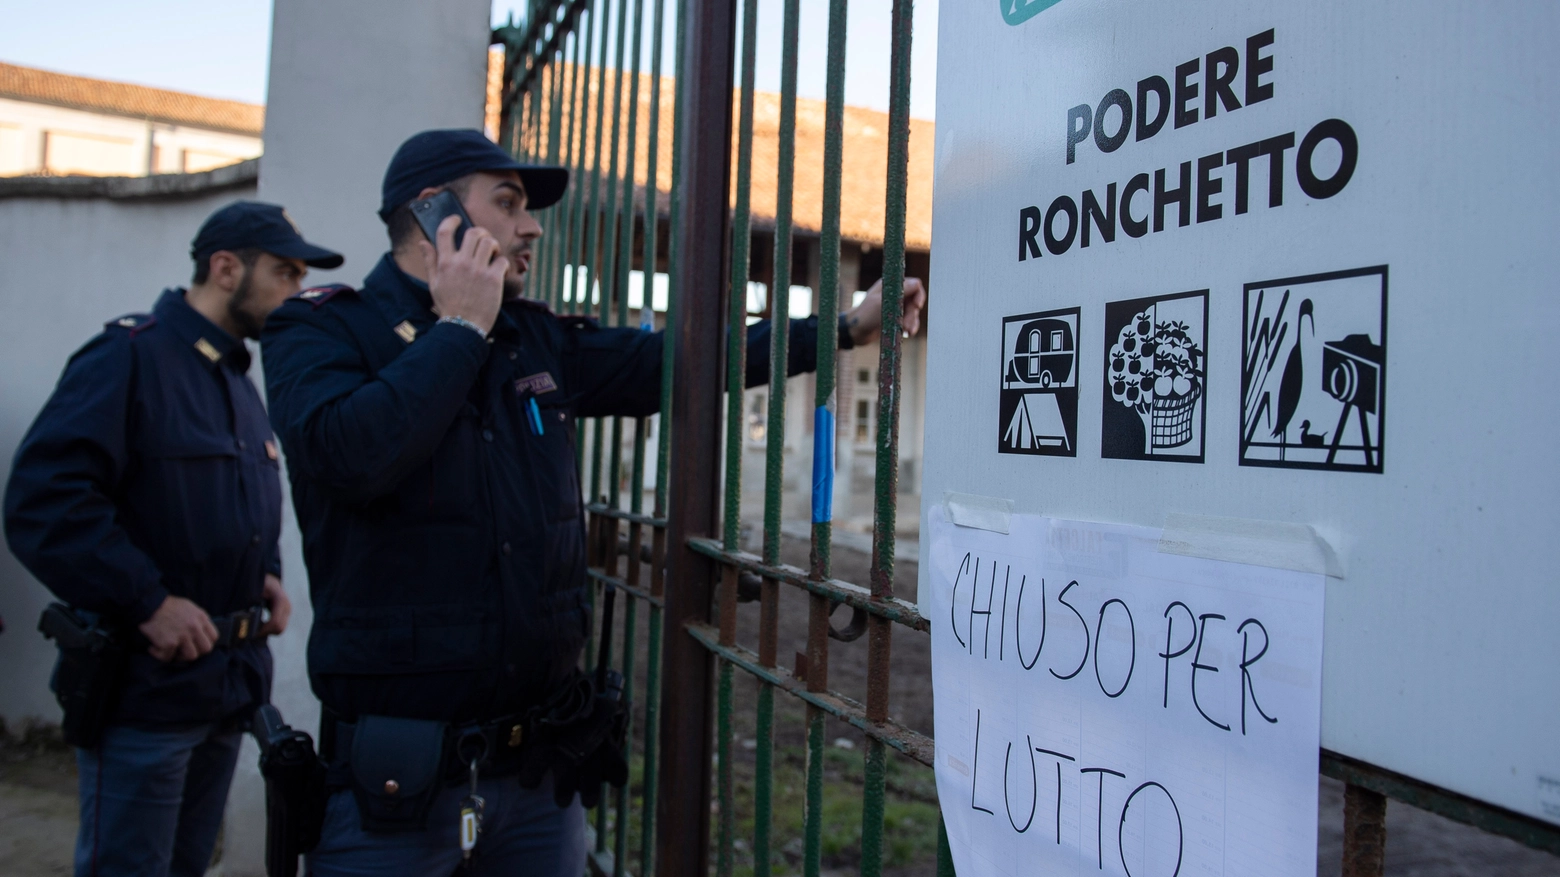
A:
{"x": 1282, "y": 262}
{"x": 1105, "y": 706}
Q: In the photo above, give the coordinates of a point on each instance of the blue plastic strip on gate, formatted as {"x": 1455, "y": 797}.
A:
{"x": 823, "y": 466}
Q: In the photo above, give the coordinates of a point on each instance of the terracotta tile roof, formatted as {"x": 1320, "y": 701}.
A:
{"x": 865, "y": 163}
{"x": 136, "y": 101}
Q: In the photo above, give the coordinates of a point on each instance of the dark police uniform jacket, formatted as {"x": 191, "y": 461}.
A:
{"x": 152, "y": 471}
{"x": 442, "y": 524}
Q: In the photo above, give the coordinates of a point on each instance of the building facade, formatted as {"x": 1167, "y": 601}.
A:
{"x": 54, "y": 124}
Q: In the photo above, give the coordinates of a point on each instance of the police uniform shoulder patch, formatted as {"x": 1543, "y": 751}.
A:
{"x": 208, "y": 350}
{"x": 319, "y": 295}
{"x": 136, "y": 323}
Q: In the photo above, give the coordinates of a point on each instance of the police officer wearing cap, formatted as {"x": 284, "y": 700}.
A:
{"x": 429, "y": 422}
{"x": 146, "y": 495}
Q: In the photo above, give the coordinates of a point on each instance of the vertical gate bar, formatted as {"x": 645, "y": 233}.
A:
{"x": 637, "y": 474}
{"x": 780, "y": 293}
{"x": 548, "y": 251}
{"x": 944, "y": 852}
{"x": 581, "y": 120}
{"x": 538, "y": 256}
{"x": 704, "y": 79}
{"x": 535, "y": 91}
{"x": 557, "y": 258}
{"x": 620, "y": 847}
{"x": 534, "y": 101}
{"x": 529, "y": 53}
{"x": 593, "y": 222}
{"x": 579, "y": 102}
{"x": 880, "y": 630}
{"x": 736, "y": 314}
{"x": 674, "y": 264}
{"x": 625, "y": 258}
{"x": 663, "y": 442}
{"x": 539, "y": 275}
{"x": 527, "y": 104}
{"x": 817, "y": 669}
{"x": 725, "y": 799}
{"x": 610, "y": 290}
{"x": 736, "y": 362}
{"x": 824, "y": 431}
{"x": 872, "y": 803}
{"x": 565, "y": 266}
{"x": 1364, "y": 832}
{"x": 828, "y": 293}
{"x": 506, "y": 130}
{"x": 652, "y": 206}
{"x": 774, "y": 451}
{"x": 625, "y": 233}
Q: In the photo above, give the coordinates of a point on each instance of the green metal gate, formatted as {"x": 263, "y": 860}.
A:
{"x": 575, "y": 83}
{"x": 574, "y": 75}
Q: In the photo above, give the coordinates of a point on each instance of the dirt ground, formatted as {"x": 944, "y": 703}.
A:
{"x": 38, "y": 774}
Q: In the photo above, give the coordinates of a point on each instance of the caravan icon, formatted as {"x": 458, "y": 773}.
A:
{"x": 1042, "y": 356}
{"x": 1039, "y": 399}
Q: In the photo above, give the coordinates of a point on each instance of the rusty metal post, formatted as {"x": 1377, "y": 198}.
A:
{"x": 1364, "y": 832}
{"x": 709, "y": 29}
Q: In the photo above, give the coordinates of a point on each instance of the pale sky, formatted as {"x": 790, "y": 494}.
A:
{"x": 221, "y": 49}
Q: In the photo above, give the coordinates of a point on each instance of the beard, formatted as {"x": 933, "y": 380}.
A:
{"x": 240, "y": 305}
{"x": 514, "y": 285}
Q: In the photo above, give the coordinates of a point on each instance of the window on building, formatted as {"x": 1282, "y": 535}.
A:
{"x": 863, "y": 376}
{"x": 66, "y": 152}
{"x": 863, "y": 419}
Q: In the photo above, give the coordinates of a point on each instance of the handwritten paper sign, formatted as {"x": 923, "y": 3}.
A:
{"x": 1105, "y": 707}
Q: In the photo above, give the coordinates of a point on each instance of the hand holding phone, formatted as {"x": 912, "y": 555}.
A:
{"x": 432, "y": 210}
{"x": 465, "y": 273}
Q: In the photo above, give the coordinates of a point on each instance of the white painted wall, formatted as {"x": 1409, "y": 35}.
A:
{"x": 349, "y": 82}
{"x": 67, "y": 266}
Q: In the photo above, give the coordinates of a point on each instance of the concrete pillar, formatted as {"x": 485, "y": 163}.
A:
{"x": 349, "y": 81}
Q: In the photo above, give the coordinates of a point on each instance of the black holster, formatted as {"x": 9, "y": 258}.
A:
{"x": 295, "y": 791}
{"x": 578, "y": 735}
{"x": 88, "y": 677}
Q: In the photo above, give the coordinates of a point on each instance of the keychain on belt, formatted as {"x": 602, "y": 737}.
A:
{"x": 471, "y": 811}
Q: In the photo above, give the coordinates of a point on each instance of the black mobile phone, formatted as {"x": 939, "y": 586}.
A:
{"x": 431, "y": 211}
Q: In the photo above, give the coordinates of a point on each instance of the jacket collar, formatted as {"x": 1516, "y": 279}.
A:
{"x": 407, "y": 304}
{"x": 211, "y": 344}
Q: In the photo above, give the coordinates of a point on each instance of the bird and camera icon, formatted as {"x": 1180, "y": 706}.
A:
{"x": 1313, "y": 371}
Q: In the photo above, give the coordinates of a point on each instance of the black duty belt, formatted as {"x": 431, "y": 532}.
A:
{"x": 497, "y": 745}
{"x": 239, "y": 627}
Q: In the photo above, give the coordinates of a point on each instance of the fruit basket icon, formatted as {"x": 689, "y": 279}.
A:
{"x": 1156, "y": 369}
{"x": 1171, "y": 419}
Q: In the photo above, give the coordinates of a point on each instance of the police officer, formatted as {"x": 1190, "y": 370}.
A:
{"x": 429, "y": 423}
{"x": 147, "y": 494}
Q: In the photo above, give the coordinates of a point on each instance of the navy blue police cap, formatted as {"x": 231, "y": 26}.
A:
{"x": 254, "y": 224}
{"x": 435, "y": 158}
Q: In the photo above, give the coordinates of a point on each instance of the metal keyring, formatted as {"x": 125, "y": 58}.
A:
{"x": 460, "y": 746}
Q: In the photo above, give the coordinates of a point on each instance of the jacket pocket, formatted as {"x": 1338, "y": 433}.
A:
{"x": 191, "y": 488}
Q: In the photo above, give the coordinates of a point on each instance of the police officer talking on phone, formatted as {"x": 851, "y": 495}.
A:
{"x": 429, "y": 423}
{"x": 147, "y": 496}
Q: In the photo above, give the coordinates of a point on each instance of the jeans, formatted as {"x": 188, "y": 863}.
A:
{"x": 152, "y": 800}
{"x": 524, "y": 834}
